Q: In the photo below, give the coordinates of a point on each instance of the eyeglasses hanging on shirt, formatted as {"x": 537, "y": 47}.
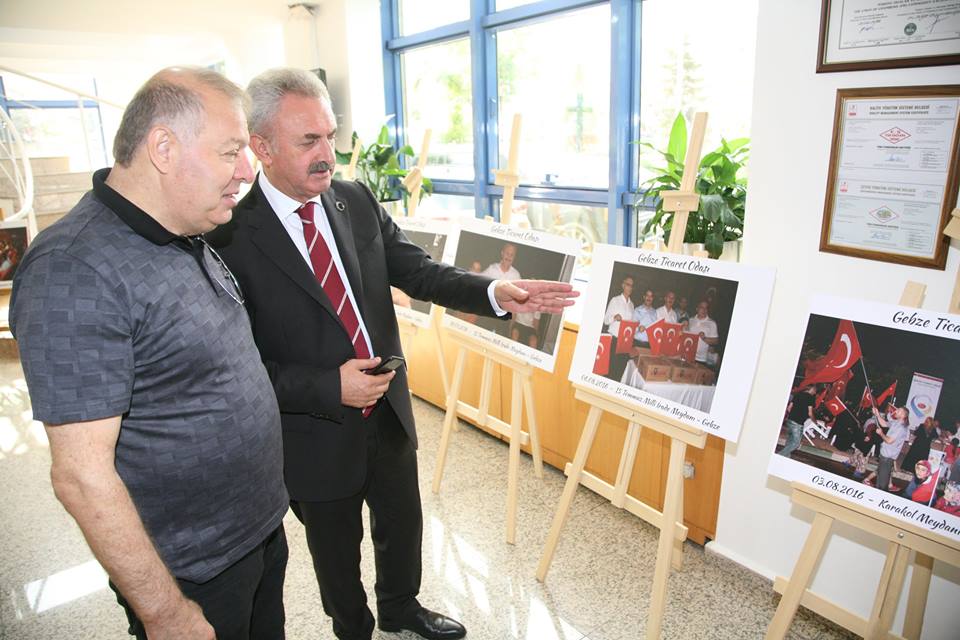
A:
{"x": 227, "y": 282}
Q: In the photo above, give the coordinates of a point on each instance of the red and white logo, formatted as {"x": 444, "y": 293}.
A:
{"x": 895, "y": 135}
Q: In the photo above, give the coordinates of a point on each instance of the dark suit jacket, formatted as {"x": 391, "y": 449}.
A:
{"x": 300, "y": 337}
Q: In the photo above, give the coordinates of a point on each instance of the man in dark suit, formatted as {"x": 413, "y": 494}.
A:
{"x": 315, "y": 259}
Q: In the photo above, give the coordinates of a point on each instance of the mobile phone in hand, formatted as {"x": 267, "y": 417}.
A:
{"x": 386, "y": 366}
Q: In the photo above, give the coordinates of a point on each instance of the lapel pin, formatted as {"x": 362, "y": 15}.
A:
{"x": 340, "y": 206}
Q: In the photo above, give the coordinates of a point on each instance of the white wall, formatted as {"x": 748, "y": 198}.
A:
{"x": 792, "y": 125}
{"x": 122, "y": 43}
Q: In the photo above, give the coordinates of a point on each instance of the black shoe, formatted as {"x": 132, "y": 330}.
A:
{"x": 428, "y": 624}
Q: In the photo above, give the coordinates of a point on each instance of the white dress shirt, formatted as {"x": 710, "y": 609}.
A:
{"x": 670, "y": 315}
{"x": 709, "y": 329}
{"x": 286, "y": 209}
{"x": 621, "y": 306}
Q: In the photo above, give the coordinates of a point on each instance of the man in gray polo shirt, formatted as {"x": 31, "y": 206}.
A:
{"x": 163, "y": 426}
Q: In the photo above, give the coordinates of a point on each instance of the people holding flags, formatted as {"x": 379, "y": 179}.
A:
{"x": 620, "y": 310}
{"x": 893, "y": 441}
{"x": 646, "y": 315}
{"x": 620, "y": 307}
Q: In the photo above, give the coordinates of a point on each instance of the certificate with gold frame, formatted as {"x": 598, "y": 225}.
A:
{"x": 893, "y": 175}
{"x": 869, "y": 34}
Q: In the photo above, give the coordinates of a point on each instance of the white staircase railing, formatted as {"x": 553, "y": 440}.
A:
{"x": 13, "y": 149}
{"x": 20, "y": 172}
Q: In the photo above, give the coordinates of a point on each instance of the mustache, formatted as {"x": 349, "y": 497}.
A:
{"x": 320, "y": 167}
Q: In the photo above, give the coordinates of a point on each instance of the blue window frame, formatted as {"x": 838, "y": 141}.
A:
{"x": 7, "y": 103}
{"x": 480, "y": 30}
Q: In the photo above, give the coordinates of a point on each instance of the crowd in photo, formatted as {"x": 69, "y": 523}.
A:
{"x": 876, "y": 445}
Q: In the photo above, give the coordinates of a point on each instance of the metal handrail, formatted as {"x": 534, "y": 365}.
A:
{"x": 22, "y": 182}
{"x": 75, "y": 92}
{"x": 22, "y": 177}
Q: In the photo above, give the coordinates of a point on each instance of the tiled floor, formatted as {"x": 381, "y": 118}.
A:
{"x": 597, "y": 589}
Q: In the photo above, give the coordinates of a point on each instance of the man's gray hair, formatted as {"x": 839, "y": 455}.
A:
{"x": 267, "y": 90}
{"x": 171, "y": 97}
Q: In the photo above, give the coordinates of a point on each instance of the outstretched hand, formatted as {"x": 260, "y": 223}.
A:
{"x": 530, "y": 296}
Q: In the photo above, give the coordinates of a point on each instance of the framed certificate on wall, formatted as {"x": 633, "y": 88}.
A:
{"x": 874, "y": 34}
{"x": 893, "y": 175}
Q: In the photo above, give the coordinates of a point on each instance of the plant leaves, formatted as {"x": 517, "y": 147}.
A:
{"x": 677, "y": 145}
{"x": 713, "y": 243}
{"x": 710, "y": 206}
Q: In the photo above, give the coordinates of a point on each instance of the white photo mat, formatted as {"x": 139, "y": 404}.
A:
{"x": 903, "y": 319}
{"x": 418, "y": 230}
{"x": 565, "y": 250}
{"x": 754, "y": 286}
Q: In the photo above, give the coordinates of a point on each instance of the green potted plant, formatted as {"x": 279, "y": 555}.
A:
{"x": 378, "y": 167}
{"x": 723, "y": 191}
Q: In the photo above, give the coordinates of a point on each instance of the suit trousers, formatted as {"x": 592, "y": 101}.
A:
{"x": 334, "y": 530}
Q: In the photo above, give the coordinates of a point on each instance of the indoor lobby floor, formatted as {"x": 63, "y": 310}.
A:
{"x": 598, "y": 587}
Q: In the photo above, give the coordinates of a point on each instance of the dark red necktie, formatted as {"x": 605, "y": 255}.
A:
{"x": 329, "y": 278}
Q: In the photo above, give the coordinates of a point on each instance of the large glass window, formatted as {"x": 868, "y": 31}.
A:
{"x": 421, "y": 15}
{"x": 585, "y": 223}
{"x": 54, "y": 121}
{"x": 563, "y": 94}
{"x": 510, "y": 4}
{"x": 589, "y": 79}
{"x": 697, "y": 65}
{"x": 444, "y": 205}
{"x": 62, "y": 132}
{"x": 436, "y": 94}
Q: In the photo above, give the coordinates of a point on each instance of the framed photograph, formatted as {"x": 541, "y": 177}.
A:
{"x": 872, "y": 411}
{"x": 13, "y": 244}
{"x": 870, "y": 34}
{"x": 431, "y": 235}
{"x": 508, "y": 253}
{"x": 893, "y": 175}
{"x": 673, "y": 335}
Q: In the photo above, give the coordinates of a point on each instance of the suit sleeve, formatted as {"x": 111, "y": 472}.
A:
{"x": 302, "y": 388}
{"x": 412, "y": 270}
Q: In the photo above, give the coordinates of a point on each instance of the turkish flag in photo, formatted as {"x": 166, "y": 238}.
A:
{"x": 889, "y": 391}
{"x": 601, "y": 365}
{"x": 866, "y": 400}
{"x": 688, "y": 346}
{"x": 656, "y": 334}
{"x": 671, "y": 341}
{"x": 625, "y": 338}
{"x": 839, "y": 387}
{"x": 835, "y": 406}
{"x": 820, "y": 398}
{"x": 843, "y": 354}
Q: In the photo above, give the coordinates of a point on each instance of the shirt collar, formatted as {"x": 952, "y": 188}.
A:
{"x": 136, "y": 218}
{"x": 282, "y": 204}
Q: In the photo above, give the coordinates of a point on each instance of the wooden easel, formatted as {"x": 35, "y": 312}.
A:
{"x": 522, "y": 383}
{"x": 903, "y": 537}
{"x": 953, "y": 230}
{"x": 670, "y": 521}
{"x": 508, "y": 178}
{"x": 413, "y": 181}
{"x": 350, "y": 172}
{"x": 521, "y": 396}
{"x": 408, "y": 330}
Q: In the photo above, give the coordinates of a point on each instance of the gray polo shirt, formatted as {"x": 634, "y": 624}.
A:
{"x": 114, "y": 315}
{"x": 899, "y": 431}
